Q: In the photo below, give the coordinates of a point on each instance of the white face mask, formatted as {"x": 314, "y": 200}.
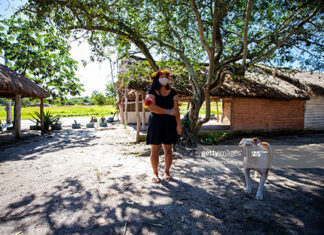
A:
{"x": 163, "y": 81}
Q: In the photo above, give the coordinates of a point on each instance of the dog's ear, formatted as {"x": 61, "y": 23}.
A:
{"x": 264, "y": 143}
{"x": 256, "y": 140}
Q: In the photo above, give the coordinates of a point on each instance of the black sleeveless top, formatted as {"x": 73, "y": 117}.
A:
{"x": 162, "y": 128}
{"x": 163, "y": 101}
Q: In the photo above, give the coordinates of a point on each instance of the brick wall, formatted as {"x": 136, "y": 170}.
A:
{"x": 266, "y": 114}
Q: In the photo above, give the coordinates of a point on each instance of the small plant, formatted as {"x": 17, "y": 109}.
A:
{"x": 76, "y": 125}
{"x": 48, "y": 119}
{"x": 102, "y": 119}
{"x": 103, "y": 122}
{"x": 56, "y": 120}
{"x": 57, "y": 125}
{"x": 91, "y": 123}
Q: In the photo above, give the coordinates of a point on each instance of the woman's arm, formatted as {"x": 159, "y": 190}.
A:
{"x": 157, "y": 109}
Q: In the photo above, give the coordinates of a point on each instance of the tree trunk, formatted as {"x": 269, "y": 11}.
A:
{"x": 125, "y": 111}
{"x": 191, "y": 122}
{"x": 121, "y": 107}
{"x": 189, "y": 125}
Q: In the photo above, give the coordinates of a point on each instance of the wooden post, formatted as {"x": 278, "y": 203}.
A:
{"x": 217, "y": 111}
{"x": 17, "y": 116}
{"x": 143, "y": 114}
{"x": 9, "y": 112}
{"x": 42, "y": 114}
{"x": 121, "y": 112}
{"x": 222, "y": 111}
{"x": 138, "y": 122}
{"x": 126, "y": 114}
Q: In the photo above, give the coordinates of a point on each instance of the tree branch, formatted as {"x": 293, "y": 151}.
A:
{"x": 137, "y": 42}
{"x": 246, "y": 25}
{"x": 281, "y": 28}
{"x": 200, "y": 26}
{"x": 305, "y": 51}
{"x": 267, "y": 55}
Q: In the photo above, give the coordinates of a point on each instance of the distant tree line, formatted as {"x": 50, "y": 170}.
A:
{"x": 97, "y": 98}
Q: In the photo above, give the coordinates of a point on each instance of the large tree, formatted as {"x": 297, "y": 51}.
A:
{"x": 227, "y": 36}
{"x": 40, "y": 53}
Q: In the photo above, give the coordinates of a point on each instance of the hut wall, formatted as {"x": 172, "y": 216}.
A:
{"x": 267, "y": 115}
{"x": 226, "y": 112}
{"x": 132, "y": 117}
{"x": 131, "y": 106}
{"x": 131, "y": 112}
{"x": 314, "y": 113}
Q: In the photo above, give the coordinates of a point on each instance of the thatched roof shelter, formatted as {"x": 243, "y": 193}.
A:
{"x": 12, "y": 83}
{"x": 259, "y": 82}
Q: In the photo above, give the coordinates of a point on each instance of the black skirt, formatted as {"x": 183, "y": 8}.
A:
{"x": 162, "y": 129}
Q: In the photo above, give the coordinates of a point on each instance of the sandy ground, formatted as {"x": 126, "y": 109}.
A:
{"x": 99, "y": 182}
{"x": 68, "y": 121}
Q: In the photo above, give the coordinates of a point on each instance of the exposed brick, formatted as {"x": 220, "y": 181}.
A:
{"x": 266, "y": 114}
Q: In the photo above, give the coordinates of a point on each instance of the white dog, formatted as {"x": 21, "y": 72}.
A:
{"x": 257, "y": 156}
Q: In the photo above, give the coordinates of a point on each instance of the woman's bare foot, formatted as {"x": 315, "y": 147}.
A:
{"x": 155, "y": 179}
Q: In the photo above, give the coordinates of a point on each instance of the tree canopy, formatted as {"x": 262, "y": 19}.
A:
{"x": 40, "y": 53}
{"x": 98, "y": 98}
{"x": 227, "y": 36}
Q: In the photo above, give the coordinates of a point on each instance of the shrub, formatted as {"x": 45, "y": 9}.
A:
{"x": 49, "y": 119}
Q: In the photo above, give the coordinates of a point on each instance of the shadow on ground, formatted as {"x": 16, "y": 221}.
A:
{"x": 208, "y": 201}
{"x": 50, "y": 142}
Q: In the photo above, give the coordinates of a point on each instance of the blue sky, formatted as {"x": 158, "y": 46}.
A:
{"x": 94, "y": 76}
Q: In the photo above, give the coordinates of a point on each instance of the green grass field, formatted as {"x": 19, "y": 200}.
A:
{"x": 183, "y": 108}
{"x": 66, "y": 111}
{"x": 89, "y": 110}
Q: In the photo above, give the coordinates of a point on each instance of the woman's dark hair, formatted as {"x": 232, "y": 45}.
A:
{"x": 156, "y": 85}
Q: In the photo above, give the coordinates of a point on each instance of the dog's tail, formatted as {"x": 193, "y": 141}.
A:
{"x": 266, "y": 146}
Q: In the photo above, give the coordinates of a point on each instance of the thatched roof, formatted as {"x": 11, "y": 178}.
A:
{"x": 141, "y": 84}
{"x": 12, "y": 83}
{"x": 259, "y": 82}
{"x": 311, "y": 82}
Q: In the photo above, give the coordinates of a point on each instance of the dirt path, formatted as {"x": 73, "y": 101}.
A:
{"x": 98, "y": 182}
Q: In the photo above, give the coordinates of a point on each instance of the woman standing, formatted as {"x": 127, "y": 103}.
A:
{"x": 164, "y": 122}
